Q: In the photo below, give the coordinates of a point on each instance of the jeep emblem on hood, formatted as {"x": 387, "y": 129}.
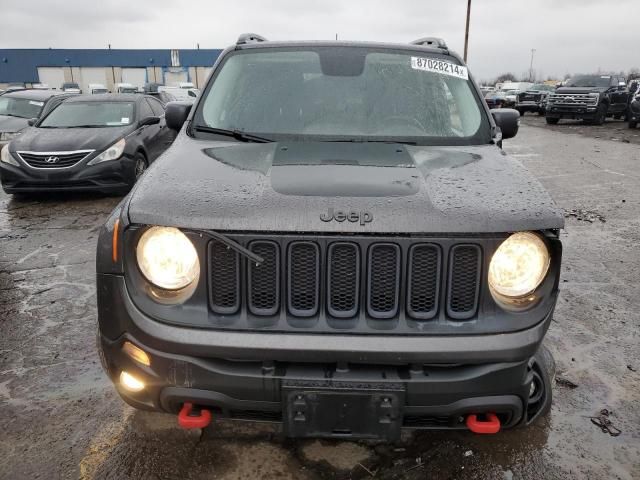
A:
{"x": 340, "y": 216}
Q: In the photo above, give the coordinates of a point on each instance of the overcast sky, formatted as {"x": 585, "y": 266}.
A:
{"x": 568, "y": 35}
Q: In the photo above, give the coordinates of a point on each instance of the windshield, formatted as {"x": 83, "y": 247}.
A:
{"x": 20, "y": 107}
{"x": 541, "y": 86}
{"x": 589, "y": 81}
{"x": 89, "y": 114}
{"x": 343, "y": 93}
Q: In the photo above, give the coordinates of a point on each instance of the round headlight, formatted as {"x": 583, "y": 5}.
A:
{"x": 519, "y": 265}
{"x": 167, "y": 258}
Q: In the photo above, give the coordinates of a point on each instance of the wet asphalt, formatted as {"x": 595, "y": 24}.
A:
{"x": 60, "y": 417}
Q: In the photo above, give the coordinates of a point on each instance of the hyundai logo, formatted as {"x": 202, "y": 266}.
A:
{"x": 51, "y": 160}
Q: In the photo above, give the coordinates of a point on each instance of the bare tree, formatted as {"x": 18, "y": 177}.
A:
{"x": 506, "y": 77}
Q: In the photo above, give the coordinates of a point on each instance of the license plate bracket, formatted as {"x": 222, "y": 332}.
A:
{"x": 339, "y": 410}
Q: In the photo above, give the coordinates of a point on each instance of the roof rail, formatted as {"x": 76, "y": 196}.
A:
{"x": 250, "y": 38}
{"x": 431, "y": 42}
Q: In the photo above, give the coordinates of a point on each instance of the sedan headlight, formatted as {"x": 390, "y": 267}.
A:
{"x": 7, "y": 136}
{"x": 167, "y": 258}
{"x": 6, "y": 157}
{"x": 114, "y": 152}
{"x": 519, "y": 265}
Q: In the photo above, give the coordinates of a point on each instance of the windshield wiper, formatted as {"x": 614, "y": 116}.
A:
{"x": 255, "y": 258}
{"x": 237, "y": 134}
{"x": 12, "y": 115}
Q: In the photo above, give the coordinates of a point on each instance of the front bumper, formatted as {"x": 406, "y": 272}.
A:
{"x": 108, "y": 177}
{"x": 433, "y": 381}
{"x": 530, "y": 106}
{"x": 574, "y": 112}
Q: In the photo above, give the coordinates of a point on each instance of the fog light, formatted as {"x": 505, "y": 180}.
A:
{"x": 136, "y": 353}
{"x": 130, "y": 382}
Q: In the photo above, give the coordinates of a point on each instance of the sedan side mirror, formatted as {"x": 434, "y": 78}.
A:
{"x": 32, "y": 121}
{"x": 176, "y": 114}
{"x": 149, "y": 121}
{"x": 508, "y": 120}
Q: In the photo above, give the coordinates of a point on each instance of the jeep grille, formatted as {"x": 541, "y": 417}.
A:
{"x": 346, "y": 281}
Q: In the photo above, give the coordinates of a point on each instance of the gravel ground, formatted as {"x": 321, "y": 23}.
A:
{"x": 61, "y": 419}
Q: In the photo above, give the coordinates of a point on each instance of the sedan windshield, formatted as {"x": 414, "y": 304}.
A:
{"x": 20, "y": 107}
{"x": 344, "y": 94}
{"x": 589, "y": 81}
{"x": 89, "y": 115}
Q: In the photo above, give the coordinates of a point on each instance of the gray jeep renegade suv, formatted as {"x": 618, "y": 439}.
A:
{"x": 336, "y": 242}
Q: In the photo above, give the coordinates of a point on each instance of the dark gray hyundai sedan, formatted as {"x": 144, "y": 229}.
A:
{"x": 336, "y": 242}
{"x": 88, "y": 143}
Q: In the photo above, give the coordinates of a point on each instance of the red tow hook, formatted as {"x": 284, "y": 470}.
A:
{"x": 488, "y": 426}
{"x": 187, "y": 418}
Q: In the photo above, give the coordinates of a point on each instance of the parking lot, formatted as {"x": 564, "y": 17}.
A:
{"x": 61, "y": 418}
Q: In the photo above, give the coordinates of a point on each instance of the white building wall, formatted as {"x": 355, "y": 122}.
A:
{"x": 52, "y": 76}
{"x": 134, "y": 76}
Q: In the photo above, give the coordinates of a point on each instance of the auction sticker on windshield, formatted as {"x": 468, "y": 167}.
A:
{"x": 439, "y": 66}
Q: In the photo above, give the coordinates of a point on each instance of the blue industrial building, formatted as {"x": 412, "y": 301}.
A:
{"x": 105, "y": 66}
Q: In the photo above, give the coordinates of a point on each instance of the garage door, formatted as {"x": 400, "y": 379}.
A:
{"x": 52, "y": 76}
{"x": 92, "y": 75}
{"x": 172, "y": 79}
{"x": 134, "y": 76}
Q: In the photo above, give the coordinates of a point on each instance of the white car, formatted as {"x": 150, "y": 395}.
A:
{"x": 71, "y": 87}
{"x": 181, "y": 94}
{"x": 95, "y": 88}
{"x": 126, "y": 88}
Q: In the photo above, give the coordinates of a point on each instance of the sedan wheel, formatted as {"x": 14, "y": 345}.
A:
{"x": 141, "y": 166}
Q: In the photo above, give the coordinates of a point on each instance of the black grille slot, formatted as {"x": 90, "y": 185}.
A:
{"x": 383, "y": 280}
{"x": 264, "y": 279}
{"x": 426, "y": 421}
{"x": 53, "y": 160}
{"x": 423, "y": 283}
{"x": 225, "y": 278}
{"x": 464, "y": 281}
{"x": 303, "y": 279}
{"x": 343, "y": 279}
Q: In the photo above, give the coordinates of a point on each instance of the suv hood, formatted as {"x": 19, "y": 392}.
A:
{"x": 581, "y": 90}
{"x": 287, "y": 186}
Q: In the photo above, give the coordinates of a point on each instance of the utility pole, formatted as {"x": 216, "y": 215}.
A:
{"x": 466, "y": 31}
{"x": 533, "y": 50}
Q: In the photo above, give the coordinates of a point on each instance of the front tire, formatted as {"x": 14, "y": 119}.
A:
{"x": 601, "y": 115}
{"x": 552, "y": 120}
{"x": 633, "y": 123}
{"x": 140, "y": 167}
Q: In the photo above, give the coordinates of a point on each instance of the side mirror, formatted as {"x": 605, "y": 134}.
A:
{"x": 149, "y": 121}
{"x": 176, "y": 114}
{"x": 508, "y": 120}
{"x": 32, "y": 121}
